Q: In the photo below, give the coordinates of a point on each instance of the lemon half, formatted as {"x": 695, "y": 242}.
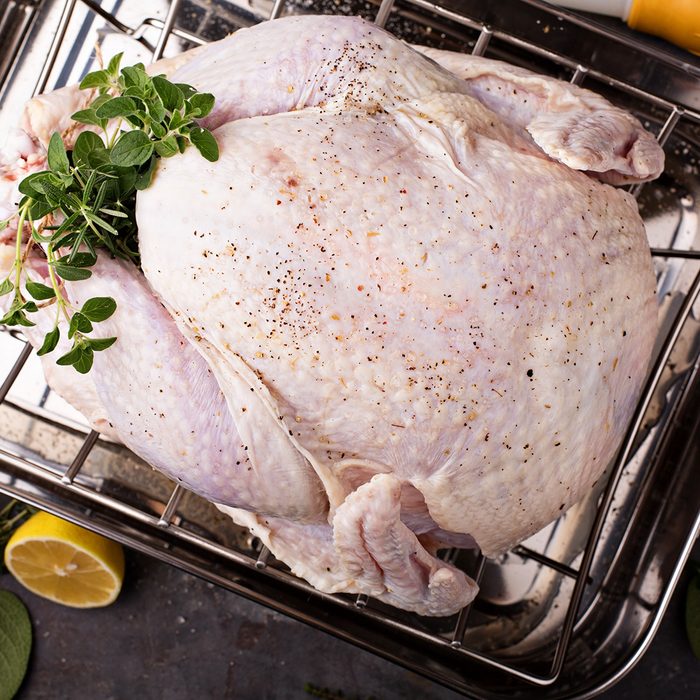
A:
{"x": 65, "y": 563}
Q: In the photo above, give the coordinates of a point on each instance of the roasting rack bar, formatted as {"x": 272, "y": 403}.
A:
{"x": 66, "y": 15}
{"x": 15, "y": 19}
{"x": 454, "y": 660}
{"x": 14, "y": 372}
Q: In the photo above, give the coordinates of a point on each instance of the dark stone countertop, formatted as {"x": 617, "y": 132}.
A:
{"x": 171, "y": 635}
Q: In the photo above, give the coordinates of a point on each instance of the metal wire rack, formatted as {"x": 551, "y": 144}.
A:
{"x": 456, "y": 651}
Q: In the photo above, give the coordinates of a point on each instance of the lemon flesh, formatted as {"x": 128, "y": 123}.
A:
{"x": 65, "y": 563}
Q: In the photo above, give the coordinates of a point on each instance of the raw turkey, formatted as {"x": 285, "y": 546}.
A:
{"x": 403, "y": 310}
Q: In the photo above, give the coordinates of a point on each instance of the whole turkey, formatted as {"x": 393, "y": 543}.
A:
{"x": 404, "y": 310}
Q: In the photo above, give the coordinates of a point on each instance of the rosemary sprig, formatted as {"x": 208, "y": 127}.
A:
{"x": 84, "y": 203}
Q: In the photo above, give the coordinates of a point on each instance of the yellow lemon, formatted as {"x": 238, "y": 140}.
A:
{"x": 65, "y": 563}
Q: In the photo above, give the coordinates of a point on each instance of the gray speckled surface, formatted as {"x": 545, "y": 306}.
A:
{"x": 170, "y": 635}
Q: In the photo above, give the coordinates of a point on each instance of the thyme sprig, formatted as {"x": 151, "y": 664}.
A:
{"x": 84, "y": 203}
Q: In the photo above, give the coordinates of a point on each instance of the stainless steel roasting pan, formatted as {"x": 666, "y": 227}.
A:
{"x": 565, "y": 614}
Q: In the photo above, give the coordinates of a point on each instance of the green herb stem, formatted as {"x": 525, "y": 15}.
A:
{"x": 116, "y": 132}
{"x": 5, "y": 511}
{"x": 18, "y": 246}
{"x": 10, "y": 523}
{"x": 61, "y": 301}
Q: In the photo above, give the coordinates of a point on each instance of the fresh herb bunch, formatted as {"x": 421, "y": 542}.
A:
{"x": 85, "y": 202}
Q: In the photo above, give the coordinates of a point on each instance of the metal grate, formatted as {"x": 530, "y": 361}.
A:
{"x": 163, "y": 530}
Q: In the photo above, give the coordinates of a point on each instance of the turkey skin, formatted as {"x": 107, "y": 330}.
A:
{"x": 407, "y": 308}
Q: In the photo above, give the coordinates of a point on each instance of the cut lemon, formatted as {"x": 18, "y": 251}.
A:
{"x": 65, "y": 563}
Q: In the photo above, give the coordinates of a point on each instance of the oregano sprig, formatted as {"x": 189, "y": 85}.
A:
{"x": 84, "y": 203}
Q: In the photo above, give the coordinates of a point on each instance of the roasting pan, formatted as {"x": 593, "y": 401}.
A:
{"x": 571, "y": 610}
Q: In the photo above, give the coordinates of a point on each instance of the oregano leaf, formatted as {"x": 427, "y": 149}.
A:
{"x": 84, "y": 363}
{"x": 170, "y": 94}
{"x": 116, "y": 107}
{"x": 144, "y": 178}
{"x": 80, "y": 356}
{"x": 57, "y": 156}
{"x": 86, "y": 116}
{"x": 98, "y": 344}
{"x": 70, "y": 273}
{"x": 38, "y": 210}
{"x": 40, "y": 291}
{"x": 113, "y": 65}
{"x": 16, "y": 317}
{"x": 205, "y": 143}
{"x": 167, "y": 147}
{"x": 27, "y": 185}
{"x": 187, "y": 90}
{"x": 79, "y": 324}
{"x": 99, "y": 308}
{"x": 70, "y": 357}
{"x": 203, "y": 102}
{"x": 136, "y": 77}
{"x": 132, "y": 148}
{"x": 50, "y": 342}
{"x": 96, "y": 79}
{"x": 79, "y": 259}
{"x": 85, "y": 144}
